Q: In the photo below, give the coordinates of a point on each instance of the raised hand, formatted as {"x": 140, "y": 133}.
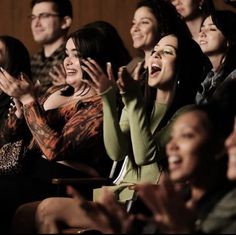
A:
{"x": 125, "y": 80}
{"x": 98, "y": 79}
{"x": 106, "y": 215}
{"x": 20, "y": 88}
{"x": 169, "y": 209}
{"x": 58, "y": 75}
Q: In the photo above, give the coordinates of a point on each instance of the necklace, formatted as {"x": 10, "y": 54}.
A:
{"x": 84, "y": 91}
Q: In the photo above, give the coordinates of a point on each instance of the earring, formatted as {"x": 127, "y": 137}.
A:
{"x": 200, "y": 5}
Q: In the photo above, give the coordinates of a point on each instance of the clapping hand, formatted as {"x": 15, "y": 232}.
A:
{"x": 20, "y": 88}
{"x": 106, "y": 215}
{"x": 169, "y": 209}
{"x": 98, "y": 79}
{"x": 125, "y": 80}
{"x": 58, "y": 75}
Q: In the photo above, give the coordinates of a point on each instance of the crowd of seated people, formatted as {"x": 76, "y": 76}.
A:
{"x": 65, "y": 124}
{"x": 167, "y": 115}
{"x": 197, "y": 195}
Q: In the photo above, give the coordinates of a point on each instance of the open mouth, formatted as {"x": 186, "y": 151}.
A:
{"x": 155, "y": 69}
{"x": 71, "y": 72}
{"x": 174, "y": 162}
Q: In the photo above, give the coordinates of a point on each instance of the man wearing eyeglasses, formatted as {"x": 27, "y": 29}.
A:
{"x": 50, "y": 23}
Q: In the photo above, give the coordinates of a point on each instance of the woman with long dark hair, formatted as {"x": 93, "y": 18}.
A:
{"x": 217, "y": 39}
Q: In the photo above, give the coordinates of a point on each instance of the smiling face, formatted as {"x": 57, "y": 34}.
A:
{"x": 46, "y": 29}
{"x": 144, "y": 29}
{"x": 187, "y": 148}
{"x": 162, "y": 63}
{"x": 72, "y": 65}
{"x": 230, "y": 145}
{"x": 211, "y": 39}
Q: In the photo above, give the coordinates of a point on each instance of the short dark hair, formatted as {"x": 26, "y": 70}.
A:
{"x": 121, "y": 55}
{"x": 91, "y": 42}
{"x": 63, "y": 7}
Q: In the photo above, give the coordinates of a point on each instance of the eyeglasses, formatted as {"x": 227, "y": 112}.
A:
{"x": 43, "y": 16}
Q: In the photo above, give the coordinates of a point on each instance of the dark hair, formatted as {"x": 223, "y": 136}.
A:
{"x": 17, "y": 58}
{"x": 166, "y": 16}
{"x": 92, "y": 42}
{"x": 120, "y": 53}
{"x": 63, "y": 7}
{"x": 207, "y": 7}
{"x": 191, "y": 68}
{"x": 225, "y": 21}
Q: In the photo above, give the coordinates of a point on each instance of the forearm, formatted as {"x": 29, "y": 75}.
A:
{"x": 46, "y": 138}
{"x": 115, "y": 140}
{"x": 144, "y": 146}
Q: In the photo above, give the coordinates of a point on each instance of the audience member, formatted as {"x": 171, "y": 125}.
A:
{"x": 15, "y": 59}
{"x": 50, "y": 23}
{"x": 217, "y": 40}
{"x": 193, "y": 13}
{"x": 151, "y": 20}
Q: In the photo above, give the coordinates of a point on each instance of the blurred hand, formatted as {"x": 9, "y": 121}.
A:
{"x": 125, "y": 80}
{"x": 58, "y": 75}
{"x": 15, "y": 108}
{"x": 107, "y": 215}
{"x": 168, "y": 206}
{"x": 21, "y": 88}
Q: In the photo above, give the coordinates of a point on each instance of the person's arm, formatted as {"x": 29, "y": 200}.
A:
{"x": 80, "y": 133}
{"x": 144, "y": 147}
{"x": 147, "y": 144}
{"x": 116, "y": 133}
